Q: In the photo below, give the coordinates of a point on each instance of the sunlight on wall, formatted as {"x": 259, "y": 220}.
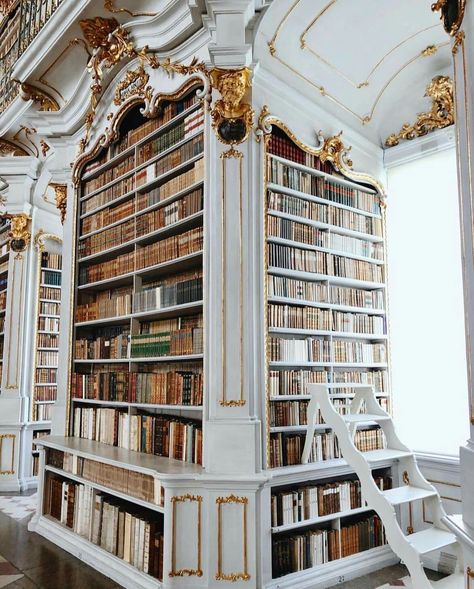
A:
{"x": 429, "y": 378}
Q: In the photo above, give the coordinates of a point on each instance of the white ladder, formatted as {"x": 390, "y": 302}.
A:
{"x": 410, "y": 548}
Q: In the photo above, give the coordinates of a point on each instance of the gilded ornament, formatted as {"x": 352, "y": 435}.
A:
{"x": 133, "y": 84}
{"x": 44, "y": 100}
{"x": 60, "y": 197}
{"x": 441, "y": 115}
{"x": 27, "y": 132}
{"x": 452, "y": 14}
{"x": 458, "y": 41}
{"x": 430, "y": 50}
{"x": 7, "y": 148}
{"x": 232, "y": 117}
{"x": 19, "y": 233}
{"x": 333, "y": 150}
{"x": 110, "y": 6}
{"x": 41, "y": 237}
{"x": 44, "y": 147}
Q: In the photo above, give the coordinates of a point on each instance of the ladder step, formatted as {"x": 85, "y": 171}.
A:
{"x": 407, "y": 494}
{"x": 431, "y": 539}
{"x": 452, "y": 582}
{"x": 386, "y": 454}
{"x": 364, "y": 417}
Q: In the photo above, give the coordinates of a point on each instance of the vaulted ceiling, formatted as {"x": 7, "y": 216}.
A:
{"x": 366, "y": 61}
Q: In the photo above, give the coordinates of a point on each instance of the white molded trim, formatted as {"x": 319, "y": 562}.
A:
{"x": 409, "y": 151}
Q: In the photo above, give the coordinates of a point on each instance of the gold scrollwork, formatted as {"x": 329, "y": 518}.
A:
{"x": 41, "y": 237}
{"x": 19, "y": 233}
{"x": 234, "y": 576}
{"x": 185, "y": 572}
{"x": 469, "y": 576}
{"x": 27, "y": 132}
{"x": 7, "y": 148}
{"x": 232, "y": 118}
{"x": 60, "y": 197}
{"x": 452, "y": 14}
{"x": 441, "y": 115}
{"x": 334, "y": 150}
{"x": 133, "y": 84}
{"x": 12, "y": 437}
{"x": 44, "y": 100}
{"x": 458, "y": 41}
{"x": 44, "y": 147}
{"x": 109, "y": 5}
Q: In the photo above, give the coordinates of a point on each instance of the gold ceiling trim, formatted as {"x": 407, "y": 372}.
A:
{"x": 44, "y": 100}
{"x": 109, "y": 5}
{"x": 10, "y": 149}
{"x": 441, "y": 115}
{"x": 271, "y": 43}
{"x": 329, "y": 148}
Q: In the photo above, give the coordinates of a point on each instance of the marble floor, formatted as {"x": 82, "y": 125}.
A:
{"x": 375, "y": 580}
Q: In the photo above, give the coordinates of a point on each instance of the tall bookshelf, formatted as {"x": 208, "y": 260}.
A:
{"x": 326, "y": 323}
{"x": 4, "y": 262}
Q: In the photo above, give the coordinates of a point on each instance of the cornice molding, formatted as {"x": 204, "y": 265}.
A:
{"x": 409, "y": 151}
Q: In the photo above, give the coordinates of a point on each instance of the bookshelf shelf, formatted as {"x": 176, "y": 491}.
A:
{"x": 319, "y": 520}
{"x": 335, "y": 334}
{"x": 322, "y": 305}
{"x": 141, "y": 405}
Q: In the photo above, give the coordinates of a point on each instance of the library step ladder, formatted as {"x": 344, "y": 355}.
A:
{"x": 365, "y": 410}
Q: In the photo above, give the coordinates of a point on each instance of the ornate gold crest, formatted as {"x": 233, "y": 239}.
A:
{"x": 452, "y": 14}
{"x": 232, "y": 117}
{"x": 60, "y": 197}
{"x": 44, "y": 100}
{"x": 441, "y": 115}
{"x": 133, "y": 84}
{"x": 19, "y": 233}
{"x": 333, "y": 150}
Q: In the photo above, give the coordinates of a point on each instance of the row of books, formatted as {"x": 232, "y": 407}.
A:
{"x": 286, "y": 448}
{"x": 289, "y": 316}
{"x": 121, "y": 168}
{"x": 50, "y": 278}
{"x": 107, "y": 216}
{"x": 292, "y": 413}
{"x": 162, "y": 386}
{"x": 47, "y": 340}
{"x": 46, "y": 375}
{"x": 47, "y": 293}
{"x": 44, "y": 358}
{"x": 47, "y": 393}
{"x": 182, "y": 336}
{"x": 107, "y": 239}
{"x": 319, "y": 350}
{"x": 280, "y": 144}
{"x": 104, "y": 343}
{"x": 4, "y": 249}
{"x": 108, "y": 195}
{"x": 42, "y": 412}
{"x": 2, "y": 325}
{"x": 192, "y": 148}
{"x": 161, "y": 435}
{"x": 192, "y": 124}
{"x": 50, "y": 324}
{"x": 3, "y": 279}
{"x": 312, "y": 501}
{"x": 303, "y": 260}
{"x": 295, "y": 382}
{"x": 131, "y": 534}
{"x": 130, "y": 482}
{"x": 171, "y": 248}
{"x": 322, "y": 213}
{"x": 316, "y": 547}
{"x": 290, "y": 177}
{"x": 3, "y": 300}
{"x": 52, "y": 261}
{"x": 175, "y": 290}
{"x": 305, "y": 290}
{"x": 49, "y": 308}
{"x": 122, "y": 264}
{"x": 104, "y": 303}
{"x": 308, "y": 234}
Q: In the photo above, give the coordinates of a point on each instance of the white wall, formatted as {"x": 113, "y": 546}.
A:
{"x": 426, "y": 304}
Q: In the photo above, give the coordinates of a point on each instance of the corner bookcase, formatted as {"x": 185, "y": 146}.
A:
{"x": 4, "y": 262}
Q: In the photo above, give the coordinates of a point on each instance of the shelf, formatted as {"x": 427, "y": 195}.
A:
{"x": 131, "y": 150}
{"x": 317, "y": 248}
{"x": 36, "y": 402}
{"x": 48, "y": 332}
{"x": 52, "y": 286}
{"x": 280, "y": 189}
{"x": 319, "y": 520}
{"x": 46, "y": 366}
{"x": 148, "y": 209}
{"x": 333, "y": 396}
{"x": 333, "y": 280}
{"x": 140, "y": 462}
{"x": 325, "y": 333}
{"x": 140, "y": 405}
{"x": 187, "y": 358}
{"x": 46, "y": 384}
{"x": 51, "y": 270}
{"x": 332, "y": 228}
{"x": 329, "y": 177}
{"x": 56, "y": 301}
{"x": 49, "y": 316}
{"x": 163, "y": 313}
{"x": 321, "y": 305}
{"x": 47, "y": 349}
{"x": 104, "y": 489}
{"x": 174, "y": 228}
{"x": 283, "y": 363}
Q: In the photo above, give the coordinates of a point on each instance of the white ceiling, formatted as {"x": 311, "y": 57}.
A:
{"x": 360, "y": 59}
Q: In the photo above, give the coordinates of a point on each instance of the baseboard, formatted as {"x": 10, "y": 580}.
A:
{"x": 29, "y": 483}
{"x": 104, "y": 562}
{"x": 10, "y": 486}
{"x": 337, "y": 571}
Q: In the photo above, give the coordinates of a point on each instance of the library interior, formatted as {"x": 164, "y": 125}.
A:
{"x": 219, "y": 364}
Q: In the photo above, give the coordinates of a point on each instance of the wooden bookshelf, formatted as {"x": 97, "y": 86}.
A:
{"x": 4, "y": 263}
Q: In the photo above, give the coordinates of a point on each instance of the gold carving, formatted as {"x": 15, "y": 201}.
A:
{"x": 469, "y": 575}
{"x": 12, "y": 437}
{"x": 44, "y": 147}
{"x": 186, "y": 572}
{"x": 133, "y": 84}
{"x": 60, "y": 197}
{"x": 7, "y": 148}
{"x": 232, "y": 118}
{"x": 41, "y": 237}
{"x": 458, "y": 41}
{"x": 109, "y": 5}
{"x": 239, "y": 576}
{"x": 27, "y": 132}
{"x": 430, "y": 50}
{"x": 19, "y": 233}
{"x": 44, "y": 100}
{"x": 452, "y": 14}
{"x": 405, "y": 477}
{"x": 441, "y": 115}
{"x": 334, "y": 150}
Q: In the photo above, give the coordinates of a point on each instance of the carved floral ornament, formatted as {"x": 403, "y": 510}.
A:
{"x": 60, "y": 197}
{"x": 452, "y": 14}
{"x": 441, "y": 115}
{"x": 19, "y": 233}
{"x": 7, "y": 148}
